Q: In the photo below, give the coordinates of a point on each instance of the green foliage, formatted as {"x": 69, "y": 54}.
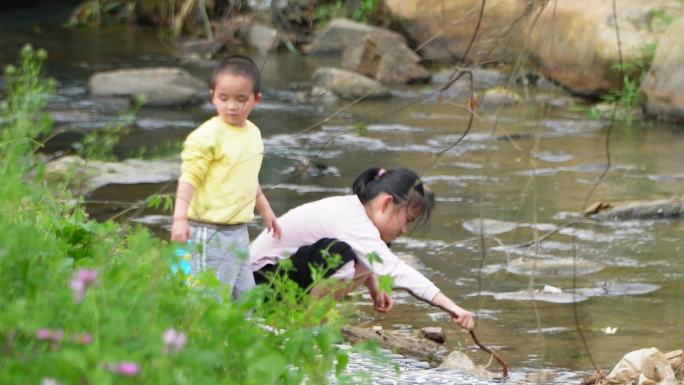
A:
{"x": 659, "y": 19}
{"x": 99, "y": 145}
{"x": 365, "y": 10}
{"x": 163, "y": 201}
{"x": 96, "y": 303}
{"x": 628, "y": 100}
{"x": 326, "y": 11}
{"x": 160, "y": 151}
{"x": 94, "y": 13}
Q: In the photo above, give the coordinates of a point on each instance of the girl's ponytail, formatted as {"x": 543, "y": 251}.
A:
{"x": 364, "y": 186}
{"x": 403, "y": 184}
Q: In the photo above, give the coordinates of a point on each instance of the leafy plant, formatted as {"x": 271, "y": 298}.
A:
{"x": 99, "y": 145}
{"x": 628, "y": 100}
{"x": 365, "y": 10}
{"x": 96, "y": 303}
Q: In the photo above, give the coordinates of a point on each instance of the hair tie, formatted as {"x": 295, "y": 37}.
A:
{"x": 381, "y": 172}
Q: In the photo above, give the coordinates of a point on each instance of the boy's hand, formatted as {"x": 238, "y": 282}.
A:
{"x": 272, "y": 225}
{"x": 180, "y": 230}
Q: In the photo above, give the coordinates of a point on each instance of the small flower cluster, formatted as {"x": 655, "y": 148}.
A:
{"x": 56, "y": 336}
{"x": 174, "y": 340}
{"x": 83, "y": 279}
{"x": 124, "y": 368}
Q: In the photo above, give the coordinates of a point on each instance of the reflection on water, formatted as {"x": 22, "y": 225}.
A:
{"x": 531, "y": 167}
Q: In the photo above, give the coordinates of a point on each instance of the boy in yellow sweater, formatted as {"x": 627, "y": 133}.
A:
{"x": 219, "y": 183}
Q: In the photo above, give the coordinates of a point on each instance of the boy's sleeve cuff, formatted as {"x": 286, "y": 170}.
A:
{"x": 189, "y": 180}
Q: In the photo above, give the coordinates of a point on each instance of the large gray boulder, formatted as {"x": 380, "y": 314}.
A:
{"x": 160, "y": 86}
{"x": 575, "y": 42}
{"x": 381, "y": 56}
{"x": 342, "y": 33}
{"x": 347, "y": 84}
{"x": 664, "y": 82}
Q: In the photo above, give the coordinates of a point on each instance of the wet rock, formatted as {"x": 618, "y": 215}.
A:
{"x": 203, "y": 49}
{"x": 160, "y": 86}
{"x": 444, "y": 29}
{"x": 342, "y": 33}
{"x": 347, "y": 84}
{"x": 433, "y": 333}
{"x": 383, "y": 57}
{"x": 482, "y": 78}
{"x": 657, "y": 209}
{"x": 664, "y": 82}
{"x": 261, "y": 37}
{"x": 457, "y": 360}
{"x": 562, "y": 267}
{"x": 583, "y": 59}
{"x": 405, "y": 343}
{"x": 85, "y": 176}
{"x": 612, "y": 289}
{"x": 643, "y": 366}
{"x": 540, "y": 295}
{"x": 488, "y": 226}
{"x": 315, "y": 95}
{"x": 500, "y": 97}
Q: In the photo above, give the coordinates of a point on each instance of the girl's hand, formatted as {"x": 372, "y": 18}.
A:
{"x": 382, "y": 302}
{"x": 465, "y": 319}
{"x": 180, "y": 230}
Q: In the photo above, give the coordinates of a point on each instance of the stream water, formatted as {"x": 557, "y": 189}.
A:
{"x": 537, "y": 182}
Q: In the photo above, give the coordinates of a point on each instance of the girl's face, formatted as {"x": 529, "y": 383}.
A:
{"x": 393, "y": 220}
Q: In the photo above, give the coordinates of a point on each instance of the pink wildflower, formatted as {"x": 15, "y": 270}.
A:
{"x": 124, "y": 368}
{"x": 174, "y": 340}
{"x": 83, "y": 279}
{"x": 48, "y": 381}
{"x": 84, "y": 339}
{"x": 50, "y": 335}
{"x": 44, "y": 334}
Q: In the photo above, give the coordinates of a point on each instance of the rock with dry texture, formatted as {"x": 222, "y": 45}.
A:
{"x": 664, "y": 82}
{"x": 385, "y": 59}
{"x": 342, "y": 33}
{"x": 575, "y": 42}
{"x": 347, "y": 84}
{"x": 443, "y": 29}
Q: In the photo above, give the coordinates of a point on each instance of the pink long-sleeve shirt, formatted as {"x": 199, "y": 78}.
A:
{"x": 343, "y": 218}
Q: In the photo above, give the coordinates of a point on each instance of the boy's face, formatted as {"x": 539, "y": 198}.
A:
{"x": 234, "y": 98}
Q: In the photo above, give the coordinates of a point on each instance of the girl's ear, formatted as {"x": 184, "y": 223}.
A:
{"x": 257, "y": 97}
{"x": 386, "y": 202}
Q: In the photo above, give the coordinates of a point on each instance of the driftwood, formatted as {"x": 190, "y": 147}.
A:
{"x": 657, "y": 209}
{"x": 404, "y": 343}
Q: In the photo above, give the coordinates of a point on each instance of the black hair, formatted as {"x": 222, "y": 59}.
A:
{"x": 238, "y": 65}
{"x": 403, "y": 184}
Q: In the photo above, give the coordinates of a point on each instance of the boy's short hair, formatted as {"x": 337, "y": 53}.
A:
{"x": 238, "y": 65}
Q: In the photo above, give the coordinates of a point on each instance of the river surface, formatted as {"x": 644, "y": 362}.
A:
{"x": 537, "y": 182}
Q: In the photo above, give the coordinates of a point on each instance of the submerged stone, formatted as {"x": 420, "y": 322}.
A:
{"x": 488, "y": 226}
{"x": 563, "y": 267}
{"x": 538, "y": 295}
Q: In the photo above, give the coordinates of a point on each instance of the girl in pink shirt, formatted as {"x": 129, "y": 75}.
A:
{"x": 359, "y": 228}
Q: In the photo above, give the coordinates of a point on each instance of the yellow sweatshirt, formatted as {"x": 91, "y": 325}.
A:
{"x": 222, "y": 163}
